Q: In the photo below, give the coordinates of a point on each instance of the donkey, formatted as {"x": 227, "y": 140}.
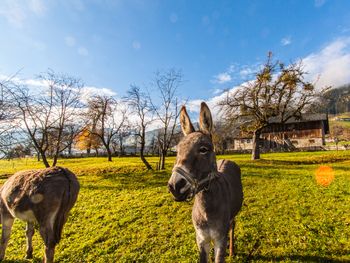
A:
{"x": 42, "y": 197}
{"x": 216, "y": 186}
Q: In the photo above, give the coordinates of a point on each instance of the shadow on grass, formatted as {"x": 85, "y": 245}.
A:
{"x": 299, "y": 258}
{"x": 129, "y": 181}
{"x": 34, "y": 260}
{"x": 4, "y": 176}
{"x": 310, "y": 161}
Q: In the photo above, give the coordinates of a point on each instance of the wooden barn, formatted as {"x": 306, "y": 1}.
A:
{"x": 307, "y": 132}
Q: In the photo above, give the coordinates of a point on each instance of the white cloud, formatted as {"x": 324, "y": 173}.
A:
{"x": 70, "y": 41}
{"x": 83, "y": 51}
{"x": 17, "y": 11}
{"x": 237, "y": 73}
{"x": 193, "y": 105}
{"x": 286, "y": 41}
{"x": 89, "y": 91}
{"x": 32, "y": 83}
{"x": 331, "y": 65}
{"x": 222, "y": 78}
{"x": 136, "y": 45}
{"x": 37, "y": 85}
{"x": 248, "y": 71}
{"x": 217, "y": 91}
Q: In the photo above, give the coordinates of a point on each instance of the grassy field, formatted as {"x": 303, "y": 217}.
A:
{"x": 345, "y": 124}
{"x": 124, "y": 214}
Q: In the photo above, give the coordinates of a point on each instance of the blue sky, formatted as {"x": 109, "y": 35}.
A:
{"x": 216, "y": 44}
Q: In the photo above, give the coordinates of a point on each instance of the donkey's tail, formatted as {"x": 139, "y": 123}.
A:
{"x": 69, "y": 198}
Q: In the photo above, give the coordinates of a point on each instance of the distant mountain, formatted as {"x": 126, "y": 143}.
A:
{"x": 336, "y": 100}
{"x": 151, "y": 136}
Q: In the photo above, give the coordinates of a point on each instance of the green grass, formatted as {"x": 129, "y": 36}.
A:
{"x": 345, "y": 124}
{"x": 124, "y": 214}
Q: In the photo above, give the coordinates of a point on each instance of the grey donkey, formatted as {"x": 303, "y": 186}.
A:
{"x": 42, "y": 197}
{"x": 215, "y": 185}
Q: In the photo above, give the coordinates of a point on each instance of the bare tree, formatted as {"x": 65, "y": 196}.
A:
{"x": 278, "y": 91}
{"x": 9, "y": 132}
{"x": 70, "y": 133}
{"x": 118, "y": 143}
{"x": 142, "y": 108}
{"x": 167, "y": 112}
{"x": 110, "y": 118}
{"x": 45, "y": 113}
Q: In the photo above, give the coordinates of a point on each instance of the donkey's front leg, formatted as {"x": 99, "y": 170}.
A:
{"x": 220, "y": 245}
{"x": 7, "y": 222}
{"x": 29, "y": 234}
{"x": 203, "y": 243}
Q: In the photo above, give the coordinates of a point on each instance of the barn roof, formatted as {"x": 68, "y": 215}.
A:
{"x": 302, "y": 118}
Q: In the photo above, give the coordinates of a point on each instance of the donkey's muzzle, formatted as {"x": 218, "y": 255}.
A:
{"x": 179, "y": 188}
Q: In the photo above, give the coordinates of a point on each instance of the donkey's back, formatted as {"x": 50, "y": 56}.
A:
{"x": 34, "y": 195}
{"x": 231, "y": 178}
{"x": 42, "y": 196}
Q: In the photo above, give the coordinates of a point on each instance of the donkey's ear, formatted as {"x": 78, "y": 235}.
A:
{"x": 205, "y": 119}
{"x": 185, "y": 122}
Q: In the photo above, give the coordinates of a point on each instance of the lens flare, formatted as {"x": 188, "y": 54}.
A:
{"x": 324, "y": 175}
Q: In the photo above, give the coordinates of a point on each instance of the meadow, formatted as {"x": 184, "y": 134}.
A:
{"x": 125, "y": 214}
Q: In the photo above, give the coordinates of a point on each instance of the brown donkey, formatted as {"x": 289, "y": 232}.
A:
{"x": 42, "y": 197}
{"x": 216, "y": 186}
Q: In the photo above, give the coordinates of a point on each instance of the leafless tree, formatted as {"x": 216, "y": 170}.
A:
{"x": 167, "y": 111}
{"x": 7, "y": 118}
{"x": 278, "y": 91}
{"x": 118, "y": 143}
{"x": 45, "y": 113}
{"x": 142, "y": 108}
{"x": 70, "y": 133}
{"x": 110, "y": 118}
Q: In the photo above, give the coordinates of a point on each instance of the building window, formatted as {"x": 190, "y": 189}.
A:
{"x": 311, "y": 141}
{"x": 295, "y": 142}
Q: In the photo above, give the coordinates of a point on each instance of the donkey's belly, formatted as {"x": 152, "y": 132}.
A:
{"x": 27, "y": 216}
{"x": 22, "y": 207}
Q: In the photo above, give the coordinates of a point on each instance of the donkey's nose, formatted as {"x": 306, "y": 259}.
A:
{"x": 178, "y": 189}
{"x": 171, "y": 188}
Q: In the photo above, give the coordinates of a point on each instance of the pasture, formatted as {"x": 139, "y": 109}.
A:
{"x": 124, "y": 214}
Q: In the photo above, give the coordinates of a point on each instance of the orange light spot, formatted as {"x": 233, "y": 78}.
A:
{"x": 324, "y": 175}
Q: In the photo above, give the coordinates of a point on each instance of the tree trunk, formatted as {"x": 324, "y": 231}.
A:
{"x": 120, "y": 147}
{"x": 54, "y": 160}
{"x": 46, "y": 163}
{"x": 142, "y": 149}
{"x": 159, "y": 159}
{"x": 162, "y": 160}
{"x": 109, "y": 154}
{"x": 70, "y": 150}
{"x": 256, "y": 149}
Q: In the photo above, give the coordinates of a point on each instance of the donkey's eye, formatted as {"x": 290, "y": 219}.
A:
{"x": 203, "y": 150}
